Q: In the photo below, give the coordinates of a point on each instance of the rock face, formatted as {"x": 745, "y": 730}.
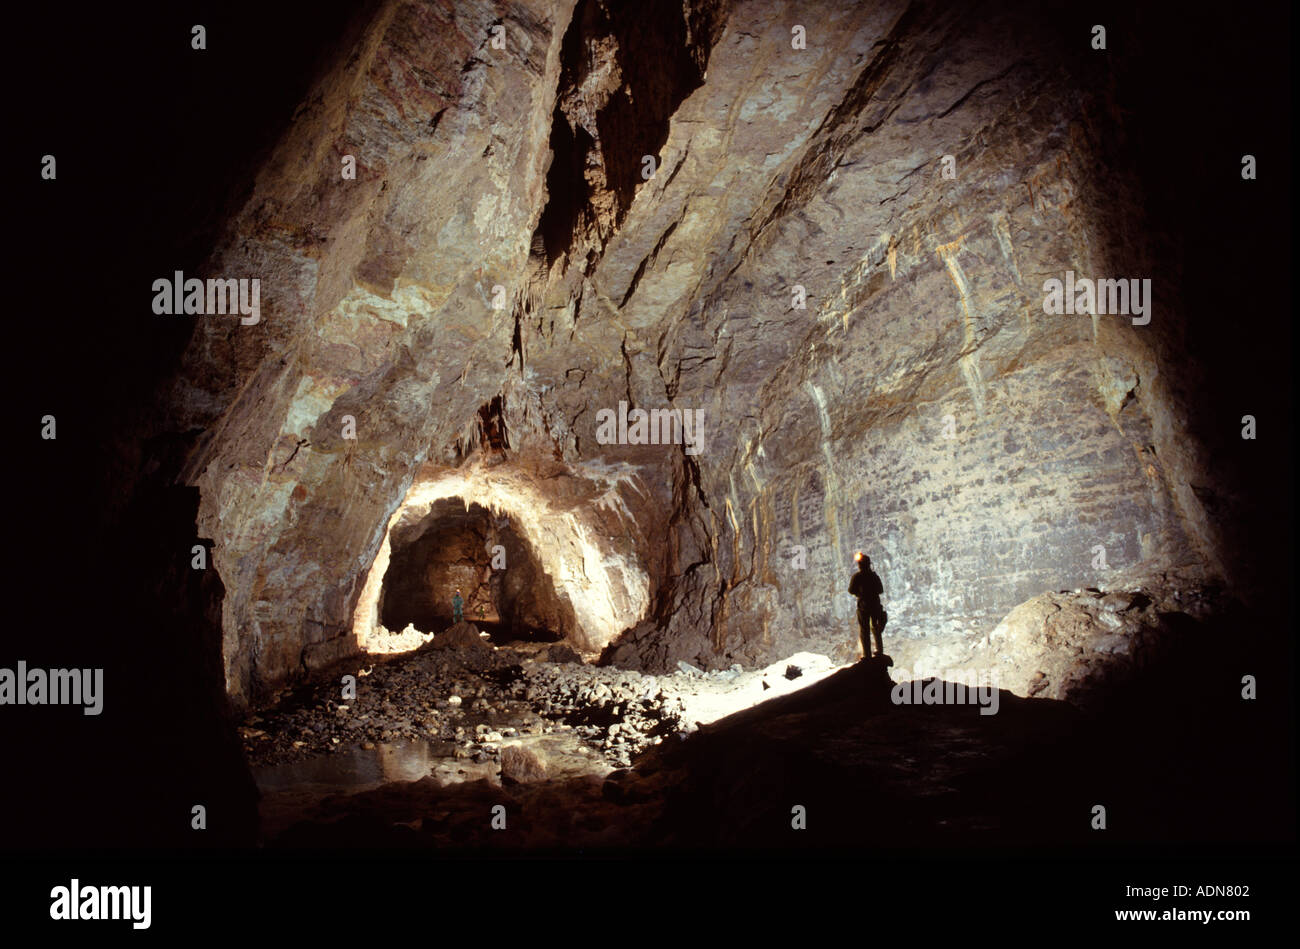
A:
{"x": 821, "y": 237}
{"x": 1078, "y": 645}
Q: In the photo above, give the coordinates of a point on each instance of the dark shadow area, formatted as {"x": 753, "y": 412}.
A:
{"x": 1173, "y": 753}
{"x": 163, "y": 688}
{"x": 662, "y": 48}
{"x": 156, "y": 144}
{"x": 566, "y": 187}
{"x": 454, "y": 548}
{"x": 1146, "y": 93}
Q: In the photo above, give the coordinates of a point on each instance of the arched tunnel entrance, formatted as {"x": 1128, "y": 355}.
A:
{"x": 466, "y": 548}
{"x": 533, "y": 561}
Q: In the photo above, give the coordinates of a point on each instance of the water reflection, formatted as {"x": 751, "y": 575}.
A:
{"x": 354, "y": 768}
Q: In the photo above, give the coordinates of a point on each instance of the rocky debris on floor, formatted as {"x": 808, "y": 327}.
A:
{"x": 562, "y": 653}
{"x": 460, "y": 690}
{"x": 472, "y": 698}
{"x": 938, "y": 774}
{"x": 408, "y": 638}
{"x": 618, "y": 711}
{"x": 462, "y": 634}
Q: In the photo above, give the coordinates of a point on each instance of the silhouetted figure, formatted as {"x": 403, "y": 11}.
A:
{"x": 866, "y": 586}
{"x": 458, "y": 607}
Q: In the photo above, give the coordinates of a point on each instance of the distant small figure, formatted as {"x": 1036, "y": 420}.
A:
{"x": 866, "y": 586}
{"x": 458, "y": 608}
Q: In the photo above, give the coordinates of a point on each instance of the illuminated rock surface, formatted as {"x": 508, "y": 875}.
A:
{"x": 499, "y": 272}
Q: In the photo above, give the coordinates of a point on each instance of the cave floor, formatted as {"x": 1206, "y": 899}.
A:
{"x": 441, "y": 716}
{"x": 810, "y": 756}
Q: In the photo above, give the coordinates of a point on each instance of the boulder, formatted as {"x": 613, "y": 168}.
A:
{"x": 522, "y": 765}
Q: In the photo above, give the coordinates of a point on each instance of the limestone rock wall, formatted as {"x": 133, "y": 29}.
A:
{"x": 862, "y": 335}
{"x": 361, "y": 316}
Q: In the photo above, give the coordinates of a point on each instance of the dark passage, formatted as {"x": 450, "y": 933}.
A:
{"x": 505, "y": 590}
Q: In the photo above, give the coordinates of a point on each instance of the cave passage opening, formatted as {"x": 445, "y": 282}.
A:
{"x": 464, "y": 547}
{"x": 546, "y": 556}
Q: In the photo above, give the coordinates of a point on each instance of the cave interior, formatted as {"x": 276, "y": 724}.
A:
{"x": 831, "y": 244}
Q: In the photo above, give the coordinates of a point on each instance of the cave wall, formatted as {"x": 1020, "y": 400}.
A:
{"x": 528, "y": 601}
{"x": 358, "y": 319}
{"x": 921, "y": 406}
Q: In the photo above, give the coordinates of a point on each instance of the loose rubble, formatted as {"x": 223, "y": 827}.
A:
{"x": 468, "y": 698}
